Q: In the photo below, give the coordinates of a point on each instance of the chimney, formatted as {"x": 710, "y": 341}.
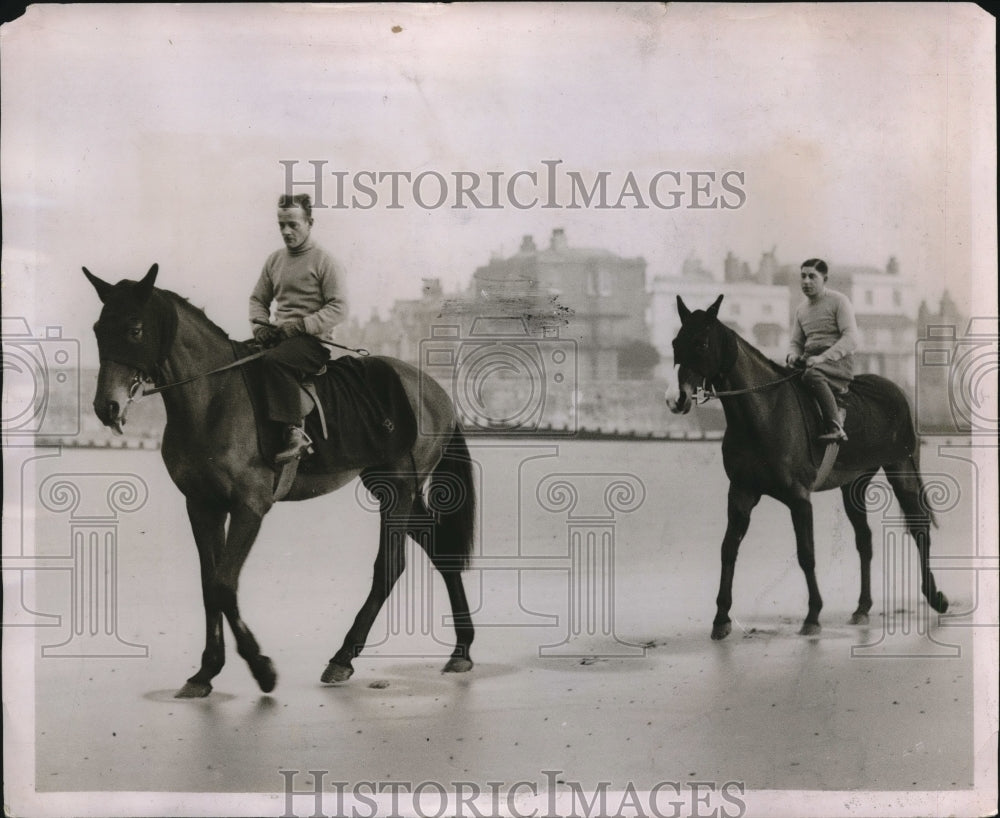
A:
{"x": 528, "y": 245}
{"x": 558, "y": 239}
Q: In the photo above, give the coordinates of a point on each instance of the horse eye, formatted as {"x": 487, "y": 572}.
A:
{"x": 135, "y": 333}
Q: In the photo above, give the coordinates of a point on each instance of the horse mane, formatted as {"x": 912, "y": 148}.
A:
{"x": 184, "y": 306}
{"x": 752, "y": 352}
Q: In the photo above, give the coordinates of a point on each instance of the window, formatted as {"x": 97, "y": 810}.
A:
{"x": 604, "y": 282}
{"x": 897, "y": 298}
{"x": 868, "y": 297}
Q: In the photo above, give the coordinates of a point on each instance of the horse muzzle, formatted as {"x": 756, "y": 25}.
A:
{"x": 684, "y": 395}
{"x": 117, "y": 386}
{"x": 678, "y": 400}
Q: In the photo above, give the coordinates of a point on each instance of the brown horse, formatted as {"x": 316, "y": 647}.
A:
{"x": 210, "y": 447}
{"x": 769, "y": 448}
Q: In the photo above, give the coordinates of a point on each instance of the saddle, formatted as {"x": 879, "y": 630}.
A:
{"x": 873, "y": 406}
{"x": 361, "y": 416}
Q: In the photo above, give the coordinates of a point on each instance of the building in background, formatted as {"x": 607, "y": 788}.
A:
{"x": 602, "y": 297}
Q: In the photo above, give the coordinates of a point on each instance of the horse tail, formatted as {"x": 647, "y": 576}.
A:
{"x": 451, "y": 499}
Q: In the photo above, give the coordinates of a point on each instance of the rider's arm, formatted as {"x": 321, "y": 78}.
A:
{"x": 796, "y": 342}
{"x": 261, "y": 298}
{"x": 332, "y": 293}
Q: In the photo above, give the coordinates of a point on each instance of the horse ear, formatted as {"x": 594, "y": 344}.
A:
{"x": 102, "y": 287}
{"x": 145, "y": 287}
{"x": 714, "y": 309}
{"x": 682, "y": 310}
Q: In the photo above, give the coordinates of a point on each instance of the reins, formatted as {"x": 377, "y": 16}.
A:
{"x": 708, "y": 394}
{"x": 238, "y": 362}
{"x": 138, "y": 380}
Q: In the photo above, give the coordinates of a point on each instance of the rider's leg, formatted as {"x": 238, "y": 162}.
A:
{"x": 284, "y": 367}
{"x": 819, "y": 386}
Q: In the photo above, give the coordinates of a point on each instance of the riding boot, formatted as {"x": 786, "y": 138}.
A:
{"x": 832, "y": 415}
{"x": 834, "y": 421}
{"x": 298, "y": 443}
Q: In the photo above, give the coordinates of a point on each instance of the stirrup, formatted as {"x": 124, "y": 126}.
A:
{"x": 299, "y": 443}
{"x": 835, "y": 435}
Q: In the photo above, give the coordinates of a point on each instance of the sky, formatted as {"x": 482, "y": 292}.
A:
{"x": 155, "y": 133}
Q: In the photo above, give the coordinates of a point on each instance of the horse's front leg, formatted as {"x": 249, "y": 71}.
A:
{"x": 741, "y": 503}
{"x": 208, "y": 523}
{"x": 244, "y": 525}
{"x": 802, "y": 521}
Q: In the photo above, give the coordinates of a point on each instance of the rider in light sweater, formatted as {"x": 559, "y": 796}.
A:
{"x": 305, "y": 286}
{"x": 824, "y": 335}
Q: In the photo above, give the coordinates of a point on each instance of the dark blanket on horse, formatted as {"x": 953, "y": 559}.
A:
{"x": 879, "y": 424}
{"x": 369, "y": 419}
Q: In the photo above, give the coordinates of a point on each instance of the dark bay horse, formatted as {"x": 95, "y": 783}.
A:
{"x": 211, "y": 451}
{"x": 769, "y": 449}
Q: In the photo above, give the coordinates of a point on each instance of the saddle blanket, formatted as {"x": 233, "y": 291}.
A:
{"x": 369, "y": 419}
{"x": 878, "y": 421}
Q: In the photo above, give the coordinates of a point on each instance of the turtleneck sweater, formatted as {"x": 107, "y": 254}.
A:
{"x": 306, "y": 283}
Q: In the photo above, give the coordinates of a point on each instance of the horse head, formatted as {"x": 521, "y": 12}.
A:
{"x": 133, "y": 335}
{"x": 703, "y": 349}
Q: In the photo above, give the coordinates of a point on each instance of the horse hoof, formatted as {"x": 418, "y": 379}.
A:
{"x": 809, "y": 629}
{"x": 458, "y": 664}
{"x": 336, "y": 673}
{"x": 193, "y": 690}
{"x": 265, "y": 673}
{"x": 858, "y": 618}
{"x": 940, "y": 604}
{"x": 721, "y": 631}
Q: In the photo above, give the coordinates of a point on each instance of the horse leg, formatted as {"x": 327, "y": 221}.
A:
{"x": 441, "y": 550}
{"x": 857, "y": 514}
{"x": 208, "y": 523}
{"x": 741, "y": 503}
{"x": 802, "y": 521}
{"x": 461, "y": 658}
{"x": 389, "y": 564}
{"x": 905, "y": 482}
{"x": 244, "y": 525}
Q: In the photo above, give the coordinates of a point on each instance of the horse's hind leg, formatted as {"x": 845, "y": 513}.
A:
{"x": 441, "y": 551}
{"x": 389, "y": 564}
{"x": 905, "y": 482}
{"x": 857, "y": 513}
{"x": 741, "y": 503}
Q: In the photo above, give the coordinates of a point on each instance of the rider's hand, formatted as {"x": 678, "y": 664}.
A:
{"x": 289, "y": 329}
{"x": 795, "y": 361}
{"x": 267, "y": 335}
{"x": 814, "y": 360}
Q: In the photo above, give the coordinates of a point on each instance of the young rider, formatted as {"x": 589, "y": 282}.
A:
{"x": 824, "y": 333}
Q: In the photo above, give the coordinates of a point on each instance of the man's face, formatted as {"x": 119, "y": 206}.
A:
{"x": 294, "y": 226}
{"x": 813, "y": 284}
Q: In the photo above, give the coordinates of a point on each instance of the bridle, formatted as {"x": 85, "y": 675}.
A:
{"x": 703, "y": 395}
